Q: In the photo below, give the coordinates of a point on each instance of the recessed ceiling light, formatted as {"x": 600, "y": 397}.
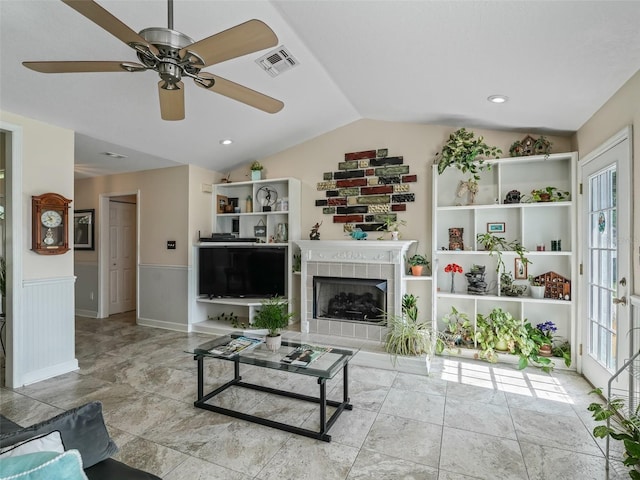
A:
{"x": 226, "y": 141}
{"x": 498, "y": 98}
{"x": 114, "y": 155}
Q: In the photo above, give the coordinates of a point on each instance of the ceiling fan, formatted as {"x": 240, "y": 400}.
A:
{"x": 174, "y": 55}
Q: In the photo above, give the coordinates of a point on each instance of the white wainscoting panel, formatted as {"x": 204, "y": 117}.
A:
{"x": 86, "y": 299}
{"x": 164, "y": 296}
{"x": 48, "y": 330}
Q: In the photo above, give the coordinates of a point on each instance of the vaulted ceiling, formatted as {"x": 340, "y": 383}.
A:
{"x": 408, "y": 61}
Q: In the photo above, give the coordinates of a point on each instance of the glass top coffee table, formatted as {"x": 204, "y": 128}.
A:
{"x": 324, "y": 368}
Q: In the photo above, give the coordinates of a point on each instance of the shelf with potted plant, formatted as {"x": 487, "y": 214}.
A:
{"x": 504, "y": 206}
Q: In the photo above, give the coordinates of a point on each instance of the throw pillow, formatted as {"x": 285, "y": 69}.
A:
{"x": 44, "y": 443}
{"x": 81, "y": 428}
{"x": 43, "y": 466}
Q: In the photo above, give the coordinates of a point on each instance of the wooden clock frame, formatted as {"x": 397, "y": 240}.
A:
{"x": 40, "y": 204}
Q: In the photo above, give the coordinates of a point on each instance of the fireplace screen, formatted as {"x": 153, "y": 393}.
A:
{"x": 350, "y": 299}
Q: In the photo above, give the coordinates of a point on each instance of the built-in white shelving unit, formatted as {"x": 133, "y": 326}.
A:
{"x": 533, "y": 224}
{"x": 283, "y": 216}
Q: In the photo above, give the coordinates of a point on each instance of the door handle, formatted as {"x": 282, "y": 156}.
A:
{"x": 620, "y": 301}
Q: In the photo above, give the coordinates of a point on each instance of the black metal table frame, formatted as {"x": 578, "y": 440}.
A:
{"x": 325, "y": 424}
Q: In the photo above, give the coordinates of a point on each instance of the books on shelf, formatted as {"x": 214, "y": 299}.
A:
{"x": 304, "y": 355}
{"x": 235, "y": 346}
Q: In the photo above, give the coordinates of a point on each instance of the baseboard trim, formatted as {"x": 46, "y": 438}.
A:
{"x": 52, "y": 371}
{"x": 150, "y": 322}
{"x": 86, "y": 313}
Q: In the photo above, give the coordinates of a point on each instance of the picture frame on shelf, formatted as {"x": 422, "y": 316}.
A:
{"x": 83, "y": 229}
{"x": 496, "y": 227}
{"x": 519, "y": 269}
{"x": 221, "y": 203}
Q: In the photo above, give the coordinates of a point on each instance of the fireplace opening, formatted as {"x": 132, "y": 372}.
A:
{"x": 350, "y": 299}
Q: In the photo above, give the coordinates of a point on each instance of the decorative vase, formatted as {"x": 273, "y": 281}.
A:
{"x": 453, "y": 282}
{"x": 545, "y": 351}
{"x": 502, "y": 345}
{"x": 273, "y": 343}
{"x": 537, "y": 291}
{"x": 394, "y": 235}
{"x": 256, "y": 174}
{"x": 416, "y": 270}
{"x": 455, "y": 238}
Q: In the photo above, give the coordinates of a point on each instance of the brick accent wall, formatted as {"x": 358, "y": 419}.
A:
{"x": 367, "y": 188}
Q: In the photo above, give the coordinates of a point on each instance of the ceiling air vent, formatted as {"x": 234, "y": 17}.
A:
{"x": 277, "y": 61}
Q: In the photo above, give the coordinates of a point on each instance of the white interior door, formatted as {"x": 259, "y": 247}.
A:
{"x": 606, "y": 259}
{"x": 122, "y": 257}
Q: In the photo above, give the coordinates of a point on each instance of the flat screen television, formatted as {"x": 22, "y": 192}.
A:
{"x": 241, "y": 271}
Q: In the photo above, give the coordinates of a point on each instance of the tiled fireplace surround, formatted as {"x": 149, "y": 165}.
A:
{"x": 351, "y": 259}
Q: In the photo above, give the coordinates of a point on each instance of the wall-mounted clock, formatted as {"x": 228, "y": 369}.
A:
{"x": 50, "y": 224}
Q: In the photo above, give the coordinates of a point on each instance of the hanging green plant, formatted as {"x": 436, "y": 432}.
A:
{"x": 465, "y": 152}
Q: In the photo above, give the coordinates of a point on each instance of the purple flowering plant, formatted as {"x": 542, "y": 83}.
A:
{"x": 547, "y": 329}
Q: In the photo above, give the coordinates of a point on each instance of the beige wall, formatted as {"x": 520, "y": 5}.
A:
{"x": 620, "y": 110}
{"x": 163, "y": 206}
{"x": 415, "y": 142}
{"x": 47, "y": 166}
{"x": 172, "y": 207}
{"x": 200, "y": 203}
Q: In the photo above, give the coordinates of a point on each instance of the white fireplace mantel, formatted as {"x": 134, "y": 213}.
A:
{"x": 363, "y": 252}
{"x": 356, "y": 251}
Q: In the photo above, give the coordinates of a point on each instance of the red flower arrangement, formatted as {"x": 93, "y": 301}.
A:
{"x": 453, "y": 268}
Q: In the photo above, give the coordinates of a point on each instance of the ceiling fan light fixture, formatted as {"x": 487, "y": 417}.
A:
{"x": 498, "y": 98}
{"x": 226, "y": 141}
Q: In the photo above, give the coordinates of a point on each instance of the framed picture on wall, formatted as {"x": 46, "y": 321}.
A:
{"x": 519, "y": 269}
{"x": 496, "y": 227}
{"x": 83, "y": 229}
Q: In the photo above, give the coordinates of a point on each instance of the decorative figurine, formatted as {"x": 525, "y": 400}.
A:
{"x": 358, "y": 234}
{"x": 315, "y": 232}
{"x": 513, "y": 197}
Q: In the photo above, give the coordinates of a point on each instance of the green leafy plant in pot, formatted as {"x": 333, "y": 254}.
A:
{"x": 417, "y": 264}
{"x": 407, "y": 335}
{"x": 273, "y": 316}
{"x": 622, "y": 424}
{"x": 256, "y": 170}
{"x": 466, "y": 152}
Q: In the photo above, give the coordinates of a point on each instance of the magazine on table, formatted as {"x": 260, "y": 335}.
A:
{"x": 235, "y": 346}
{"x": 304, "y": 355}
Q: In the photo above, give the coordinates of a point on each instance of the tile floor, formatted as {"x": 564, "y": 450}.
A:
{"x": 466, "y": 420}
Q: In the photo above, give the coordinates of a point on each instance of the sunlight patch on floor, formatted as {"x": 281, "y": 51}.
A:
{"x": 519, "y": 382}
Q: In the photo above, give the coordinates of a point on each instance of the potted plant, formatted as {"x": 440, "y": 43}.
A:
{"x": 465, "y": 152}
{"x": 622, "y": 424}
{"x": 496, "y": 331}
{"x": 562, "y": 349}
{"x": 407, "y": 335}
{"x": 273, "y": 316}
{"x": 544, "y": 334}
{"x": 509, "y": 288}
{"x": 549, "y": 194}
{"x": 496, "y": 245}
{"x": 459, "y": 331}
{"x": 392, "y": 225}
{"x": 256, "y": 170}
{"x": 536, "y": 287}
{"x": 417, "y": 263}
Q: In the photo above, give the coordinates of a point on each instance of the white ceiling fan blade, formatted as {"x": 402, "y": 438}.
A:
{"x": 111, "y": 24}
{"x": 171, "y": 100}
{"x": 80, "y": 67}
{"x": 241, "y": 94}
{"x": 234, "y": 42}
